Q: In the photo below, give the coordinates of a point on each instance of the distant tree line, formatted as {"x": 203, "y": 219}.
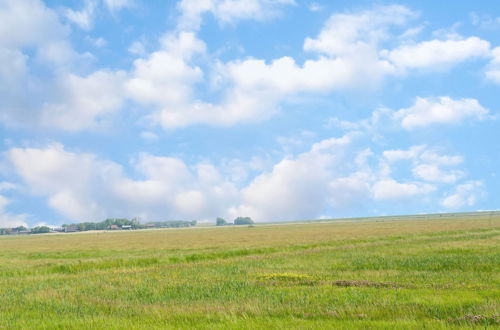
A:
{"x": 112, "y": 223}
{"x": 170, "y": 224}
{"x": 24, "y": 230}
{"x": 238, "y": 221}
{"x": 134, "y": 223}
{"x": 103, "y": 225}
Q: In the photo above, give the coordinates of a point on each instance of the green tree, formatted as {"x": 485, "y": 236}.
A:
{"x": 40, "y": 230}
{"x": 243, "y": 221}
{"x": 220, "y": 222}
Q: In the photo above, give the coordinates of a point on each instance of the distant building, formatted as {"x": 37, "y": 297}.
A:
{"x": 126, "y": 227}
{"x": 70, "y": 229}
{"x": 114, "y": 227}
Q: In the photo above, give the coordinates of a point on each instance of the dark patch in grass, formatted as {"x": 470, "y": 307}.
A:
{"x": 220, "y": 255}
{"x": 74, "y": 268}
{"x": 477, "y": 319}
{"x": 346, "y": 283}
{"x": 67, "y": 255}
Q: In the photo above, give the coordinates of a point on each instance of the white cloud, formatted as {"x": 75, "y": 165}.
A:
{"x": 9, "y": 220}
{"x": 493, "y": 70}
{"x": 227, "y": 11}
{"x": 426, "y": 164}
{"x": 397, "y": 155}
{"x": 165, "y": 78}
{"x": 7, "y": 186}
{"x": 314, "y": 6}
{"x": 333, "y": 175}
{"x": 97, "y": 42}
{"x": 29, "y": 23}
{"x": 149, "y": 136}
{"x": 437, "y": 54}
{"x": 433, "y": 173}
{"x": 36, "y": 41}
{"x": 254, "y": 89}
{"x": 347, "y": 56}
{"x": 84, "y": 102}
{"x": 464, "y": 195}
{"x": 83, "y": 18}
{"x": 114, "y": 5}
{"x": 82, "y": 187}
{"x": 137, "y": 48}
{"x": 391, "y": 189}
{"x": 442, "y": 110}
{"x": 350, "y": 33}
{"x": 485, "y": 21}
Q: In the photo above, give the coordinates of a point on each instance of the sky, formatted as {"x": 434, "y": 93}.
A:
{"x": 273, "y": 109}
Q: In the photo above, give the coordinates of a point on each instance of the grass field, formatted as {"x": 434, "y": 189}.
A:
{"x": 434, "y": 274}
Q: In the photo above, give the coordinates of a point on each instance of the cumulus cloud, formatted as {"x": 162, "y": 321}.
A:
{"x": 493, "y": 70}
{"x": 427, "y": 164}
{"x": 298, "y": 187}
{"x": 432, "y": 173}
{"x": 165, "y": 78}
{"x": 84, "y": 102}
{"x": 441, "y": 110}
{"x": 82, "y": 18}
{"x": 485, "y": 22}
{"x": 391, "y": 189}
{"x": 253, "y": 89}
{"x": 61, "y": 98}
{"x": 114, "y": 5}
{"x": 351, "y": 32}
{"x": 227, "y": 11}
{"x": 81, "y": 186}
{"x": 8, "y": 219}
{"x": 465, "y": 194}
{"x": 437, "y": 54}
{"x": 350, "y": 52}
{"x": 333, "y": 175}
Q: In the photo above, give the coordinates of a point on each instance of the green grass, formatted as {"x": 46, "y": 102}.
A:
{"x": 426, "y": 274}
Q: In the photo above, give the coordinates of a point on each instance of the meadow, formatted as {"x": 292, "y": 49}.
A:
{"x": 414, "y": 274}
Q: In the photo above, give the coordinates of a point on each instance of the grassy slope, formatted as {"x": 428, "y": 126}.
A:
{"x": 397, "y": 274}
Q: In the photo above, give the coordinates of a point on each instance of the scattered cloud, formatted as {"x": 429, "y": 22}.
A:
{"x": 9, "y": 220}
{"x": 351, "y": 32}
{"x": 84, "y": 18}
{"x": 437, "y": 54}
{"x": 60, "y": 98}
{"x": 114, "y": 5}
{"x": 149, "y": 136}
{"x": 137, "y": 48}
{"x": 84, "y": 102}
{"x": 485, "y": 22}
{"x": 97, "y": 42}
{"x": 493, "y": 70}
{"x": 391, "y": 189}
{"x": 440, "y": 110}
{"x": 314, "y": 6}
{"x": 427, "y": 164}
{"x": 334, "y": 174}
{"x": 465, "y": 194}
{"x": 228, "y": 11}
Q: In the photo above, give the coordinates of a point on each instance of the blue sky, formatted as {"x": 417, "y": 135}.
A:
{"x": 274, "y": 109}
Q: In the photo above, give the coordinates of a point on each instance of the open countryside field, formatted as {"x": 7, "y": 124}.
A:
{"x": 413, "y": 274}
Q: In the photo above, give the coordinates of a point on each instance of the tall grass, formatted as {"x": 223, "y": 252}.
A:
{"x": 437, "y": 274}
